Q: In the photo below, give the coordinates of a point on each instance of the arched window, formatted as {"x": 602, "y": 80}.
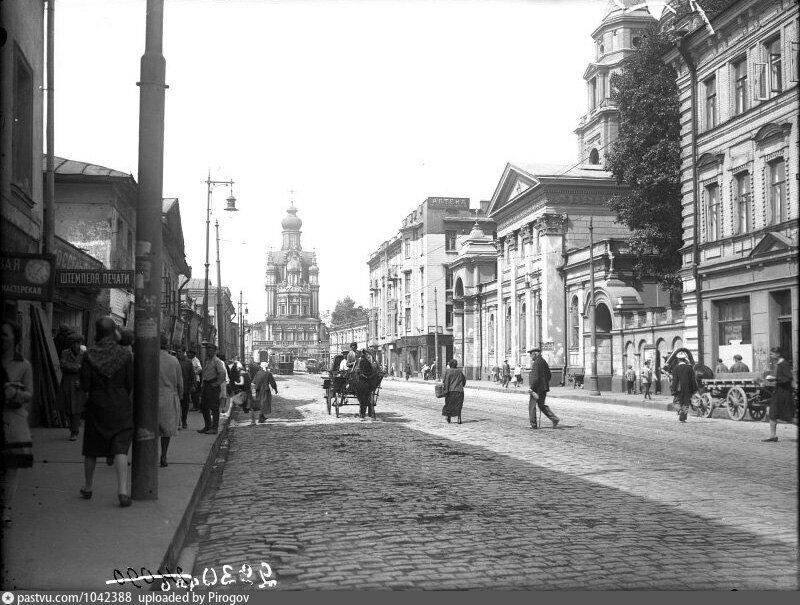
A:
{"x": 574, "y": 323}
{"x": 602, "y": 318}
{"x": 508, "y": 328}
{"x": 594, "y": 156}
{"x": 523, "y": 346}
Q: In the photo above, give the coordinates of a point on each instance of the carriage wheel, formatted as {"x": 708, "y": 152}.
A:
{"x": 737, "y": 403}
{"x": 708, "y": 405}
{"x": 328, "y": 393}
{"x": 757, "y": 412}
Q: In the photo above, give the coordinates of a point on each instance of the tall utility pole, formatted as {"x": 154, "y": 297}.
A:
{"x": 232, "y": 208}
{"x": 594, "y": 388}
{"x": 221, "y": 337}
{"x": 49, "y": 206}
{"x": 144, "y": 473}
{"x": 436, "y": 334}
{"x": 241, "y": 326}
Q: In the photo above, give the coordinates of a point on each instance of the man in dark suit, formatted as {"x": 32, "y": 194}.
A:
{"x": 540, "y": 383}
{"x": 683, "y": 387}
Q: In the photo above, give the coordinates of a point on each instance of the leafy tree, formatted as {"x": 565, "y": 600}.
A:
{"x": 347, "y": 311}
{"x": 646, "y": 157}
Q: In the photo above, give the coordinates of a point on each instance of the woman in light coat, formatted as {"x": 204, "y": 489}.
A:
{"x": 262, "y": 403}
{"x": 170, "y": 392}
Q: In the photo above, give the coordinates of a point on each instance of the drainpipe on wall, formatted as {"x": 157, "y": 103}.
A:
{"x": 684, "y": 52}
{"x": 49, "y": 205}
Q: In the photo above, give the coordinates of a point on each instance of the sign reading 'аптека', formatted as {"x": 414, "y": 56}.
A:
{"x": 97, "y": 278}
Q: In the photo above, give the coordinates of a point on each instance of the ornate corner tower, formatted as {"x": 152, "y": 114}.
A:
{"x": 618, "y": 35}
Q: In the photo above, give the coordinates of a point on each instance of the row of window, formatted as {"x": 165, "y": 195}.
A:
{"x": 742, "y": 208}
{"x": 768, "y": 74}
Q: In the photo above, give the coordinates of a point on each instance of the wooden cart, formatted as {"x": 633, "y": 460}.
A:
{"x": 739, "y": 393}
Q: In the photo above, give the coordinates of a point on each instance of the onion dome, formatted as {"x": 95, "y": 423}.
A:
{"x": 291, "y": 222}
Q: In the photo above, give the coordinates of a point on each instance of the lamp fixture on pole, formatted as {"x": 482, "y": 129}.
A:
{"x": 594, "y": 388}
{"x": 231, "y": 207}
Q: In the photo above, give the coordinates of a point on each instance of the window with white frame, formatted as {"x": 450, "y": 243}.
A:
{"x": 407, "y": 247}
{"x": 710, "y": 86}
{"x": 769, "y": 73}
{"x": 22, "y": 167}
{"x": 713, "y": 213}
{"x": 776, "y": 173}
{"x": 739, "y": 76}
{"x": 741, "y": 184}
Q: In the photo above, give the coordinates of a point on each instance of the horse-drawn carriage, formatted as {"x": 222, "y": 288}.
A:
{"x": 739, "y": 393}
{"x": 362, "y": 381}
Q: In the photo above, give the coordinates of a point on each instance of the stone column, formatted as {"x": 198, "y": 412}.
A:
{"x": 514, "y": 244}
{"x": 500, "y": 317}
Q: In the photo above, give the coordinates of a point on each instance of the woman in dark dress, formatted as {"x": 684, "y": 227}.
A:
{"x": 453, "y": 387}
{"x": 782, "y": 404}
{"x": 107, "y": 377}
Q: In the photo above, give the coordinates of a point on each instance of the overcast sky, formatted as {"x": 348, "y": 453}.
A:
{"x": 364, "y": 109}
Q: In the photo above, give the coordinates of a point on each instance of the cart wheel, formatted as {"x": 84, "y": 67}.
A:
{"x": 757, "y": 413}
{"x": 737, "y": 403}
{"x": 328, "y": 394}
{"x": 708, "y": 405}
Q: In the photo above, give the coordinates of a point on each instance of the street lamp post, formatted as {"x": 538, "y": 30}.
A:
{"x": 232, "y": 208}
{"x": 221, "y": 327}
{"x": 241, "y": 326}
{"x": 594, "y": 388}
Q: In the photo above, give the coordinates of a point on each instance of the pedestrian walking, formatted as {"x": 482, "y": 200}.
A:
{"x": 262, "y": 382}
{"x": 170, "y": 394}
{"x": 408, "y": 370}
{"x": 71, "y": 397}
{"x": 506, "y": 373}
{"x": 517, "y": 375}
{"x": 187, "y": 375}
{"x": 16, "y": 376}
{"x": 630, "y": 379}
{"x": 539, "y": 382}
{"x": 684, "y": 386}
{"x": 107, "y": 377}
{"x": 647, "y": 379}
{"x": 226, "y": 390}
{"x": 739, "y": 365}
{"x": 214, "y": 379}
{"x": 453, "y": 383}
{"x": 721, "y": 367}
{"x": 782, "y": 405}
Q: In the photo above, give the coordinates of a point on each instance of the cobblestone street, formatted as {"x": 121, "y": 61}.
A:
{"x": 615, "y": 498}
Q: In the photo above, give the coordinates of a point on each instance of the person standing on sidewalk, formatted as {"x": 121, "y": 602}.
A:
{"x": 517, "y": 375}
{"x": 408, "y": 370}
{"x": 506, "y": 373}
{"x": 187, "y": 375}
{"x": 71, "y": 397}
{"x": 107, "y": 377}
{"x": 170, "y": 394}
{"x": 630, "y": 379}
{"x": 16, "y": 375}
{"x": 647, "y": 379}
{"x": 214, "y": 378}
{"x": 198, "y": 380}
{"x": 739, "y": 365}
{"x": 539, "y": 386}
{"x": 453, "y": 388}
{"x": 782, "y": 404}
{"x": 721, "y": 367}
{"x": 684, "y": 386}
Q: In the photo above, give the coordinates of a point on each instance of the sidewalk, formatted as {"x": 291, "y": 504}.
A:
{"x": 59, "y": 541}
